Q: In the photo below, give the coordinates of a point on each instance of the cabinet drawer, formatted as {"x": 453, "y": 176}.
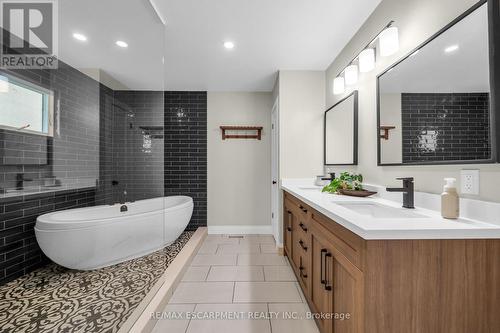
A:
{"x": 350, "y": 245}
{"x": 301, "y": 207}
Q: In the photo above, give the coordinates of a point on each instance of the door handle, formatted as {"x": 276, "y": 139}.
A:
{"x": 274, "y": 182}
{"x": 327, "y": 286}
{"x": 321, "y": 268}
{"x": 288, "y": 229}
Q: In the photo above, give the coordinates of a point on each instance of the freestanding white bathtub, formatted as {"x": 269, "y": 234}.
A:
{"x": 96, "y": 237}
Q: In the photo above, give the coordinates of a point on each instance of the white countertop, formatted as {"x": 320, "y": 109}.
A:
{"x": 430, "y": 226}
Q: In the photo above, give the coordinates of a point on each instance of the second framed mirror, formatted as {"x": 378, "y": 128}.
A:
{"x": 341, "y": 132}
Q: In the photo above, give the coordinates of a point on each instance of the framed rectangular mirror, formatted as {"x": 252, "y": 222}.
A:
{"x": 435, "y": 106}
{"x": 341, "y": 132}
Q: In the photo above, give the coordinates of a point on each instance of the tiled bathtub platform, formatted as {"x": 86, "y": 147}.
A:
{"x": 237, "y": 285}
{"x": 55, "y": 299}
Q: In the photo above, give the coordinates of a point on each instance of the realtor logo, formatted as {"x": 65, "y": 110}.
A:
{"x": 28, "y": 34}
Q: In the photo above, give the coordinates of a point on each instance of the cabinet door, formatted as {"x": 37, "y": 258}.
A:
{"x": 337, "y": 286}
{"x": 347, "y": 283}
{"x": 321, "y": 293}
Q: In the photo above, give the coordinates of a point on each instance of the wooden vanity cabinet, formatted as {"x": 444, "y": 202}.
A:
{"x": 331, "y": 283}
{"x": 385, "y": 286}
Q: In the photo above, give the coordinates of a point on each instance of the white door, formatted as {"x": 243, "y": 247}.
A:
{"x": 275, "y": 212}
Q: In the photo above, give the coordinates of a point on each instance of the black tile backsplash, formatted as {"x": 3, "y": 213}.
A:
{"x": 186, "y": 150}
{"x": 443, "y": 127}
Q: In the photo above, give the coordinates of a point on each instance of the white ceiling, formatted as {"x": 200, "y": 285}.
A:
{"x": 432, "y": 70}
{"x": 103, "y": 22}
{"x": 270, "y": 35}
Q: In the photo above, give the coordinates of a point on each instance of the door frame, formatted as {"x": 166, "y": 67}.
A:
{"x": 275, "y": 175}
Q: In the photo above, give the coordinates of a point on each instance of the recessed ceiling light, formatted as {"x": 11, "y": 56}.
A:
{"x": 451, "y": 48}
{"x": 79, "y": 37}
{"x": 229, "y": 45}
{"x": 121, "y": 43}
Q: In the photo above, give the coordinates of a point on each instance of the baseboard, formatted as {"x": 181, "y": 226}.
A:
{"x": 240, "y": 230}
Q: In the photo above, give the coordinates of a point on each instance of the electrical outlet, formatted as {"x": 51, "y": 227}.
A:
{"x": 469, "y": 182}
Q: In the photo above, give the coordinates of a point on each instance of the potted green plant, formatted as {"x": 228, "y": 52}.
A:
{"x": 348, "y": 184}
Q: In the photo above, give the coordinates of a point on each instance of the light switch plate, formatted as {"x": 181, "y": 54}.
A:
{"x": 469, "y": 182}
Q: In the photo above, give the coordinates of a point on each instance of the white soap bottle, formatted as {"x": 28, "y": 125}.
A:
{"x": 450, "y": 207}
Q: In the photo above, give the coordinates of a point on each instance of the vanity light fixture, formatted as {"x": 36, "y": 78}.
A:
{"x": 338, "y": 85}
{"x": 4, "y": 84}
{"x": 351, "y": 75}
{"x": 229, "y": 45}
{"x": 451, "y": 48}
{"x": 366, "y": 60}
{"x": 80, "y": 37}
{"x": 389, "y": 41}
{"x": 121, "y": 43}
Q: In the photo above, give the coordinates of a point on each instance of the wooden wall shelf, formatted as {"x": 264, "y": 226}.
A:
{"x": 256, "y": 129}
{"x": 386, "y": 130}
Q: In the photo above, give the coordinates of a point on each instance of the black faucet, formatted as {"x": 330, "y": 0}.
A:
{"x": 408, "y": 192}
{"x": 20, "y": 181}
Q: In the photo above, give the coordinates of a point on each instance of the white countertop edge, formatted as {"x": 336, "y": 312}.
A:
{"x": 486, "y": 232}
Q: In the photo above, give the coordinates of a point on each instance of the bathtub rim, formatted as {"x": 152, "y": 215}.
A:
{"x": 45, "y": 224}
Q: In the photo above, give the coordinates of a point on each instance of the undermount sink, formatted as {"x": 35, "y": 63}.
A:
{"x": 378, "y": 211}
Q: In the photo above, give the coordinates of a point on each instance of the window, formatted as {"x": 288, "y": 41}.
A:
{"x": 25, "y": 107}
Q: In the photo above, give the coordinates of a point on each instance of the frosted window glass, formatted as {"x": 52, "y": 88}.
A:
{"x": 21, "y": 105}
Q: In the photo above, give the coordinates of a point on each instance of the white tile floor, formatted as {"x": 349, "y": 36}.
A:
{"x": 243, "y": 280}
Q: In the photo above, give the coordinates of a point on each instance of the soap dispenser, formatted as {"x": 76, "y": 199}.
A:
{"x": 450, "y": 208}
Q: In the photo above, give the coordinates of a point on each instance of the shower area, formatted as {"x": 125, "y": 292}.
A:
{"x": 87, "y": 136}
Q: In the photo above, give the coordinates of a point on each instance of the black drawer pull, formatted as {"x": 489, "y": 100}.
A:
{"x": 303, "y": 209}
{"x": 303, "y": 227}
{"x": 301, "y": 243}
{"x": 288, "y": 229}
{"x": 321, "y": 268}
{"x": 327, "y": 286}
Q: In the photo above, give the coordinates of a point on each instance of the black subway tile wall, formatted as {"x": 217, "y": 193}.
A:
{"x": 71, "y": 156}
{"x": 19, "y": 251}
{"x": 442, "y": 127}
{"x": 186, "y": 150}
{"x": 138, "y": 145}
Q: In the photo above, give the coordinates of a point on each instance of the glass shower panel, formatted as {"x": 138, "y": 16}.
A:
{"x": 131, "y": 165}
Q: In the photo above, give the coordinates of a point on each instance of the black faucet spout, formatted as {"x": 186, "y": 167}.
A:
{"x": 408, "y": 191}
